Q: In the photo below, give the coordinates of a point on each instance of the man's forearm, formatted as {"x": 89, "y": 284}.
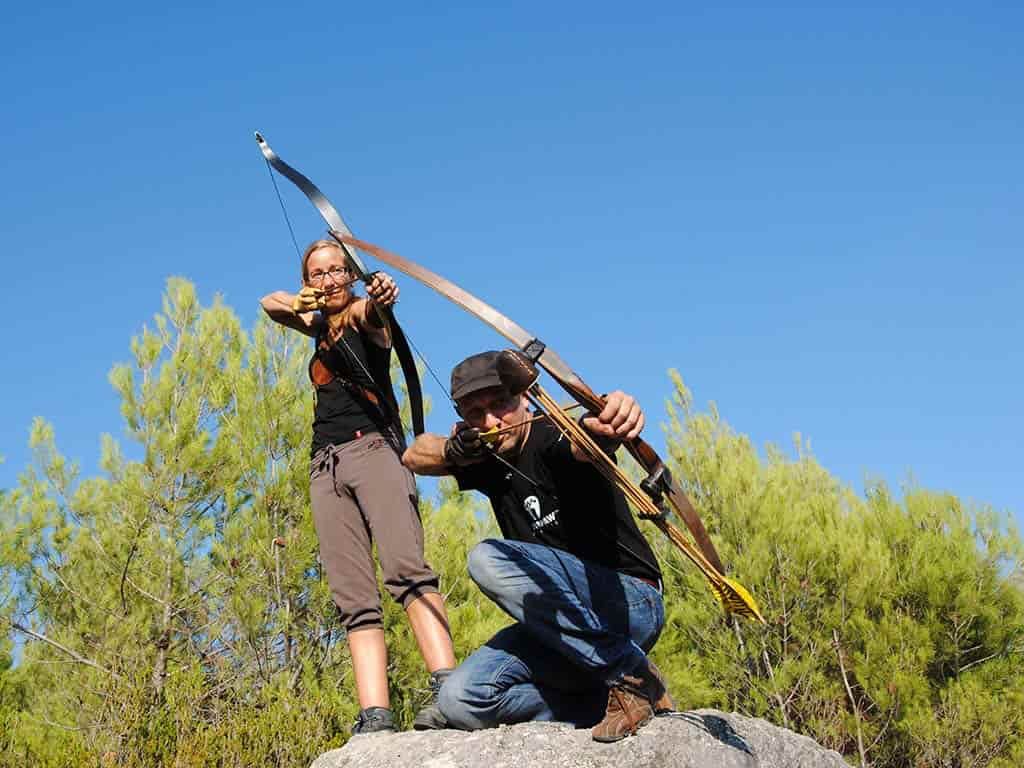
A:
{"x": 426, "y": 456}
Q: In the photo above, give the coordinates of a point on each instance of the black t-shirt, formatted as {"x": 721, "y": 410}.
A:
{"x": 339, "y": 411}
{"x": 561, "y": 502}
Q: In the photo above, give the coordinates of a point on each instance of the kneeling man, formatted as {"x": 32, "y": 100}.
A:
{"x": 573, "y": 569}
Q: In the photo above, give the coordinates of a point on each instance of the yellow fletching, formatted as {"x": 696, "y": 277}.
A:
{"x": 736, "y": 599}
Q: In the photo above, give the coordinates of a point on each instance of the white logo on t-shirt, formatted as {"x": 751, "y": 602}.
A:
{"x": 532, "y": 505}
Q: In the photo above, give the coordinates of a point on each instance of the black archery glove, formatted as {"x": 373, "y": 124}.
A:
{"x": 465, "y": 447}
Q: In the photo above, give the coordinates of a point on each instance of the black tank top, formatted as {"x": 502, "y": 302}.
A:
{"x": 341, "y": 410}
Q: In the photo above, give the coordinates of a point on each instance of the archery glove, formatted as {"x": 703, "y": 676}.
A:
{"x": 309, "y": 299}
{"x": 464, "y": 447}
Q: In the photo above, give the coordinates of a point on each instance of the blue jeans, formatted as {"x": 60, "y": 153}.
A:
{"x": 579, "y": 628}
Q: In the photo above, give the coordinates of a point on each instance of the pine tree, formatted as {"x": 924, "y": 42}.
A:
{"x": 883, "y": 614}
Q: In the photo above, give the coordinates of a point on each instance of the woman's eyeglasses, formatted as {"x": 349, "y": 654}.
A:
{"x": 337, "y": 274}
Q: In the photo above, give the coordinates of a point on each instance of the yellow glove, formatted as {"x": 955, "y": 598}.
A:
{"x": 309, "y": 299}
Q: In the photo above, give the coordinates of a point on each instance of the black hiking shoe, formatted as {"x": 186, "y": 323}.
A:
{"x": 430, "y": 717}
{"x": 374, "y": 720}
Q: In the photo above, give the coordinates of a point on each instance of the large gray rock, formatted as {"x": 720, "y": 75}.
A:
{"x": 704, "y": 738}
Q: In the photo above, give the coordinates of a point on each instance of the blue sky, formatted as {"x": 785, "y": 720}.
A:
{"x": 813, "y": 213}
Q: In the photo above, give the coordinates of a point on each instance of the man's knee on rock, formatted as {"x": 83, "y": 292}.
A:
{"x": 482, "y": 564}
{"x": 450, "y": 700}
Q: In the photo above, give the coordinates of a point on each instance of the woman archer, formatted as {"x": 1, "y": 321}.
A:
{"x": 360, "y": 492}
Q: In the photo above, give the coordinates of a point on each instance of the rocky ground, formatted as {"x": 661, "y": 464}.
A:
{"x": 703, "y": 738}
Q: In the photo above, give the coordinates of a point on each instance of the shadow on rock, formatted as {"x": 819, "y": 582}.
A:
{"x": 715, "y": 726}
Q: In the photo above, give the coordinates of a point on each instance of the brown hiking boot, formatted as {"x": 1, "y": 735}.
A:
{"x": 631, "y": 704}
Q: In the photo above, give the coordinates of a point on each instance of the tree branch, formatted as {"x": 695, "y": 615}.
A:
{"x": 853, "y": 702}
{"x": 61, "y": 648}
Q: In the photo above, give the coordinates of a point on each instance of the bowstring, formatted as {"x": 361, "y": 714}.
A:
{"x": 280, "y": 201}
{"x": 515, "y": 469}
{"x": 430, "y": 370}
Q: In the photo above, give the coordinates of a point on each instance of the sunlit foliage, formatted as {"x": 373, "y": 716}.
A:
{"x": 171, "y": 611}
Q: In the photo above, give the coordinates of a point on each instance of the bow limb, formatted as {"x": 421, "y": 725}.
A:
{"x": 337, "y": 224}
{"x": 327, "y": 211}
{"x": 560, "y": 371}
